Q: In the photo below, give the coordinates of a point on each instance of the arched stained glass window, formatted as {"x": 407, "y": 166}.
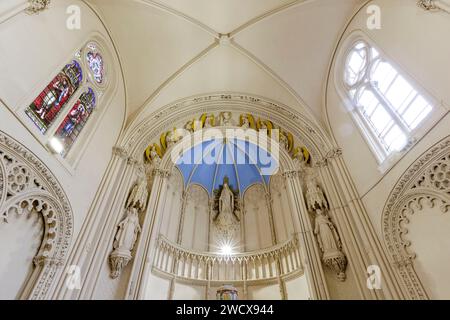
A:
{"x": 74, "y": 122}
{"x": 388, "y": 105}
{"x": 46, "y": 107}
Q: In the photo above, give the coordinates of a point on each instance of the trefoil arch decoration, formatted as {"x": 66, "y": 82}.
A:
{"x": 425, "y": 183}
{"x": 28, "y": 187}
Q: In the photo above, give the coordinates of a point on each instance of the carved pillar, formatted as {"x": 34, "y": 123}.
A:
{"x": 93, "y": 246}
{"x": 324, "y": 229}
{"x": 146, "y": 247}
{"x": 359, "y": 239}
{"x": 310, "y": 252}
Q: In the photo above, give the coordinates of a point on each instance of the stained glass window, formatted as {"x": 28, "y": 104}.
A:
{"x": 46, "y": 107}
{"x": 95, "y": 62}
{"x": 385, "y": 100}
{"x": 74, "y": 122}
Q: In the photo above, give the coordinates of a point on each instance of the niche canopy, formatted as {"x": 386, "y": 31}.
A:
{"x": 244, "y": 163}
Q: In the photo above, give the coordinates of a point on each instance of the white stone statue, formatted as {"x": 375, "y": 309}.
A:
{"x": 327, "y": 236}
{"x": 226, "y": 220}
{"x": 129, "y": 229}
{"x": 124, "y": 241}
{"x": 324, "y": 229}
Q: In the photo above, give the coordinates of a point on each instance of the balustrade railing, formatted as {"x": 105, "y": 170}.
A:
{"x": 264, "y": 265}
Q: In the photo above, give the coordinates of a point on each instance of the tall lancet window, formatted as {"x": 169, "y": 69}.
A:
{"x": 64, "y": 110}
{"x": 388, "y": 106}
{"x": 44, "y": 110}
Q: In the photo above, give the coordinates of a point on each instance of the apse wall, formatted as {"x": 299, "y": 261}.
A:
{"x": 32, "y": 50}
{"x": 415, "y": 41}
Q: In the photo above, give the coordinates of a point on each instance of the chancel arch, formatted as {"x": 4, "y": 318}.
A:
{"x": 168, "y": 254}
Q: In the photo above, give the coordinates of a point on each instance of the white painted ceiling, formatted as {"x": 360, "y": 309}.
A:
{"x": 171, "y": 49}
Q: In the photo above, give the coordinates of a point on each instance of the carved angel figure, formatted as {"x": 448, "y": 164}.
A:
{"x": 138, "y": 195}
{"x": 225, "y": 119}
{"x": 245, "y": 123}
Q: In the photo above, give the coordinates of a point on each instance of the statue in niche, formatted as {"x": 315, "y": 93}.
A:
{"x": 227, "y": 211}
{"x": 325, "y": 231}
{"x": 128, "y": 229}
{"x": 225, "y": 119}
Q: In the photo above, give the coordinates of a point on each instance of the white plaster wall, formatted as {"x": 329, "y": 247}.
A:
{"x": 157, "y": 288}
{"x": 282, "y": 213}
{"x": 271, "y": 292}
{"x": 188, "y": 292}
{"x": 256, "y": 219}
{"x": 172, "y": 207}
{"x": 297, "y": 289}
{"x": 413, "y": 40}
{"x": 428, "y": 233}
{"x": 20, "y": 240}
{"x": 28, "y": 61}
{"x": 196, "y": 220}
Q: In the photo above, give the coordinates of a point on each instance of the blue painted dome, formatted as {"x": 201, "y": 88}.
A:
{"x": 243, "y": 162}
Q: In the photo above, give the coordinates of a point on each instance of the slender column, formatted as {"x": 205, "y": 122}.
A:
{"x": 93, "y": 244}
{"x": 357, "y": 233}
{"x": 314, "y": 270}
{"x": 147, "y": 245}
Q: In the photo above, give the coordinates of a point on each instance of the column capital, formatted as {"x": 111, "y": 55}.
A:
{"x": 36, "y": 6}
{"x": 428, "y": 5}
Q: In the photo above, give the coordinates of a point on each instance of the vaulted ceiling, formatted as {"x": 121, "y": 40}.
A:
{"x": 172, "y": 49}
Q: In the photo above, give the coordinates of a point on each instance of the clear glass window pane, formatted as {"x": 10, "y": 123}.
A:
{"x": 379, "y": 119}
{"x": 399, "y": 92}
{"x": 383, "y": 74}
{"x": 416, "y": 112}
{"x": 395, "y": 139}
{"x": 368, "y": 102}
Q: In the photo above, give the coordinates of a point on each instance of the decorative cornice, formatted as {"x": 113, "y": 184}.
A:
{"x": 303, "y": 129}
